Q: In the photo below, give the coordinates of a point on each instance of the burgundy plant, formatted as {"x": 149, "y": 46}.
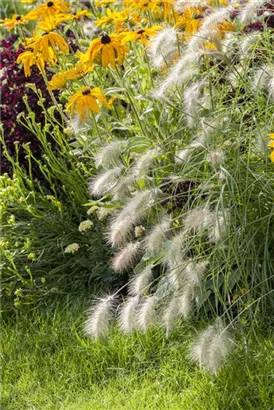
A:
{"x": 13, "y": 89}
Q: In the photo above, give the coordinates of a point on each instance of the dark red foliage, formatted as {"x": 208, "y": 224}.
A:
{"x": 13, "y": 89}
{"x": 252, "y": 27}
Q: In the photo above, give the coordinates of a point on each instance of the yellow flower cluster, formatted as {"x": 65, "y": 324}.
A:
{"x": 125, "y": 23}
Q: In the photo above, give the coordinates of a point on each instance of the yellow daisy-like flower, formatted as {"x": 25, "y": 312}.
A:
{"x": 113, "y": 17}
{"x": 46, "y": 45}
{"x": 109, "y": 48}
{"x": 59, "y": 80}
{"x": 55, "y": 21}
{"x": 190, "y": 20}
{"x": 86, "y": 100}
{"x": 48, "y": 10}
{"x": 28, "y": 59}
{"x": 16, "y": 20}
{"x": 141, "y": 34}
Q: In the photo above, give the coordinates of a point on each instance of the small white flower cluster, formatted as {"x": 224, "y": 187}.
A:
{"x": 72, "y": 248}
{"x": 85, "y": 225}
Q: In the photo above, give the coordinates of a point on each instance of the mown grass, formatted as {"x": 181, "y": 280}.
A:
{"x": 48, "y": 364}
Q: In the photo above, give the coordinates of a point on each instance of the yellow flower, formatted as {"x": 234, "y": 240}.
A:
{"x": 103, "y": 2}
{"x": 191, "y": 20}
{"x": 46, "y": 45}
{"x": 28, "y": 59}
{"x": 141, "y": 34}
{"x": 51, "y": 24}
{"x": 271, "y": 145}
{"x": 28, "y": 1}
{"x": 79, "y": 71}
{"x": 59, "y": 80}
{"x": 86, "y": 100}
{"x": 109, "y": 48}
{"x": 225, "y": 26}
{"x": 48, "y": 10}
{"x": 113, "y": 17}
{"x": 16, "y": 20}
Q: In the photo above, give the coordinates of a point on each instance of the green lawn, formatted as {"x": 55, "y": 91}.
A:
{"x": 48, "y": 364}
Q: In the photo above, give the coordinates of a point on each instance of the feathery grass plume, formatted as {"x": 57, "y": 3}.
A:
{"x": 259, "y": 79}
{"x": 90, "y": 29}
{"x": 174, "y": 251}
{"x": 174, "y": 259}
{"x": 128, "y": 314}
{"x": 109, "y": 155}
{"x": 207, "y": 30}
{"x": 135, "y": 209}
{"x": 198, "y": 219}
{"x": 192, "y": 102}
{"x": 104, "y": 181}
{"x": 171, "y": 313}
{"x": 75, "y": 125}
{"x": 97, "y": 323}
{"x": 216, "y": 17}
{"x": 215, "y": 156}
{"x": 125, "y": 258}
{"x": 186, "y": 302}
{"x": 162, "y": 48}
{"x": 157, "y": 235}
{"x": 123, "y": 187}
{"x": 219, "y": 226}
{"x": 246, "y": 43}
{"x": 139, "y": 283}
{"x": 270, "y": 85}
{"x": 250, "y": 11}
{"x": 194, "y": 272}
{"x": 143, "y": 164}
{"x": 180, "y": 73}
{"x": 181, "y": 5}
{"x": 184, "y": 154}
{"x": 147, "y": 313}
{"x": 212, "y": 347}
{"x": 229, "y": 44}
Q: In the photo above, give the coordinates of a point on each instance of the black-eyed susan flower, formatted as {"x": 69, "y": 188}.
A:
{"x": 15, "y": 21}
{"x": 142, "y": 34}
{"x": 28, "y": 59}
{"x": 87, "y": 100}
{"x": 46, "y": 45}
{"x": 109, "y": 48}
{"x": 48, "y": 10}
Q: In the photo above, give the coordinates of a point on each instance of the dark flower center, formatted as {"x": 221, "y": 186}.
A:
{"x": 50, "y": 3}
{"x": 140, "y": 31}
{"x": 86, "y": 92}
{"x": 105, "y": 39}
{"x": 18, "y": 18}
